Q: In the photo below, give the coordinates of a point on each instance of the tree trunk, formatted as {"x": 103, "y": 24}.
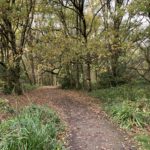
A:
{"x": 114, "y": 69}
{"x": 13, "y": 79}
{"x": 77, "y": 76}
{"x": 26, "y": 72}
{"x": 33, "y": 68}
{"x": 83, "y": 76}
{"x": 89, "y": 84}
{"x": 88, "y": 62}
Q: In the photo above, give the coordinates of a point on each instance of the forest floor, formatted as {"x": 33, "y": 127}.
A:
{"x": 88, "y": 126}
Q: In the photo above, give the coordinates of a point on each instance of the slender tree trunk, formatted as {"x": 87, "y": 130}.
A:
{"x": 83, "y": 76}
{"x": 77, "y": 75}
{"x": 114, "y": 68}
{"x": 26, "y": 72}
{"x": 33, "y": 68}
{"x": 13, "y": 78}
{"x": 89, "y": 84}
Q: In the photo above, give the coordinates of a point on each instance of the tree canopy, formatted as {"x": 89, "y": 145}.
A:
{"x": 74, "y": 43}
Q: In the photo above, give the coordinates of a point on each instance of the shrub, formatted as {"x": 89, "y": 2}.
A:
{"x": 107, "y": 79}
{"x": 1, "y": 83}
{"x": 67, "y": 83}
{"x": 35, "y": 128}
{"x": 28, "y": 87}
{"x": 7, "y": 90}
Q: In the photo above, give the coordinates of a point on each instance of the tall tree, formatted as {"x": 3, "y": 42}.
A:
{"x": 15, "y": 23}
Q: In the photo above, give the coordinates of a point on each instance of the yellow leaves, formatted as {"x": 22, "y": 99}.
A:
{"x": 139, "y": 6}
{"x": 115, "y": 47}
{"x": 3, "y": 6}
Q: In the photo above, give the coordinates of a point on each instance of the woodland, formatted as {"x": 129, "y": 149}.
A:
{"x": 101, "y": 47}
{"x": 74, "y": 43}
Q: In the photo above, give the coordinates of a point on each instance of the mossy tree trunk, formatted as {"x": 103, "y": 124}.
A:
{"x": 12, "y": 82}
{"x": 15, "y": 32}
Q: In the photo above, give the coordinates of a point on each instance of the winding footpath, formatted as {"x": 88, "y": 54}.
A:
{"x": 89, "y": 128}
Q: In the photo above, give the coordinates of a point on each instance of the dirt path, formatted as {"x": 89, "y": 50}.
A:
{"x": 88, "y": 127}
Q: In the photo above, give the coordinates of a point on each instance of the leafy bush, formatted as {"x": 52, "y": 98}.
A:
{"x": 1, "y": 83}
{"x": 7, "y": 90}
{"x": 106, "y": 80}
{"x": 25, "y": 86}
{"x": 67, "y": 82}
{"x": 35, "y": 128}
{"x": 28, "y": 87}
{"x": 2, "y": 71}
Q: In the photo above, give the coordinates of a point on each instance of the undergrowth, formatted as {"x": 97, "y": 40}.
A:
{"x": 35, "y": 128}
{"x": 5, "y": 106}
{"x": 129, "y": 105}
{"x": 28, "y": 87}
{"x": 144, "y": 140}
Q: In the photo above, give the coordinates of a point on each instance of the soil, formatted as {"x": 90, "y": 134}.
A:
{"x": 88, "y": 126}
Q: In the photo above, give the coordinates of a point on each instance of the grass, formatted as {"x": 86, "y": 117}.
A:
{"x": 129, "y": 105}
{"x": 144, "y": 139}
{"x": 35, "y": 128}
{"x": 134, "y": 92}
{"x": 26, "y": 87}
{"x": 5, "y": 107}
